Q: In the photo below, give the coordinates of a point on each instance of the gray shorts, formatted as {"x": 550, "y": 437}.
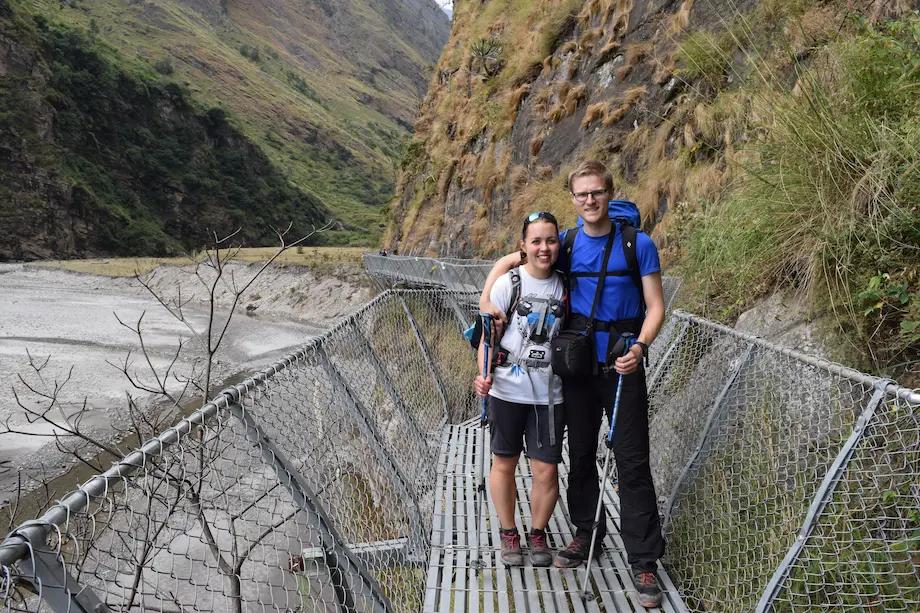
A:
{"x": 513, "y": 425}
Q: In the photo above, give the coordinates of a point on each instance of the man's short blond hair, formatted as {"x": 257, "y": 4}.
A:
{"x": 591, "y": 168}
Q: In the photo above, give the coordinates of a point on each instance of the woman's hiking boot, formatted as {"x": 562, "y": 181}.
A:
{"x": 577, "y": 552}
{"x": 649, "y": 591}
{"x": 540, "y": 553}
{"x": 511, "y": 547}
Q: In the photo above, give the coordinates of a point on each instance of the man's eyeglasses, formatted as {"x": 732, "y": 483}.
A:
{"x": 546, "y": 215}
{"x": 582, "y": 197}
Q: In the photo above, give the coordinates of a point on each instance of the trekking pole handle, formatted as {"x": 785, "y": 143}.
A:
{"x": 486, "y": 346}
{"x": 629, "y": 341}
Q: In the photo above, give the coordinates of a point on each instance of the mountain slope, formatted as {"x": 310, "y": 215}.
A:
{"x": 96, "y": 160}
{"x": 325, "y": 89}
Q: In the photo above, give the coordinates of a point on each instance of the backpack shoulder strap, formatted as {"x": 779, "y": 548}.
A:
{"x": 515, "y": 275}
{"x": 629, "y": 234}
{"x": 568, "y": 245}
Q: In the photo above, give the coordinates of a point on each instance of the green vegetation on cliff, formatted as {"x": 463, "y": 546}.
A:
{"x": 827, "y": 199}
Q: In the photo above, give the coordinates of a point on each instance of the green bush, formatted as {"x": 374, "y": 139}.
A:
{"x": 705, "y": 56}
{"x": 829, "y": 203}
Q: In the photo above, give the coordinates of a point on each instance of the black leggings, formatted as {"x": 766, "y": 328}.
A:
{"x": 586, "y": 399}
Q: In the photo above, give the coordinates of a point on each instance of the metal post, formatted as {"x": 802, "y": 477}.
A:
{"x": 378, "y": 445}
{"x": 340, "y": 561}
{"x": 423, "y": 346}
{"x": 733, "y": 373}
{"x": 822, "y": 497}
{"x": 387, "y": 383}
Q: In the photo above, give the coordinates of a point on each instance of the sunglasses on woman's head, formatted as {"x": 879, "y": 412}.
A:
{"x": 539, "y": 215}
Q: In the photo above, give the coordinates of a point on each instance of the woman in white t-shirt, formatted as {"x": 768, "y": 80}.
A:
{"x": 525, "y": 397}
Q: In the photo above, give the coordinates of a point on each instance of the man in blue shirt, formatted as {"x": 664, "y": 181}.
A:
{"x": 624, "y": 306}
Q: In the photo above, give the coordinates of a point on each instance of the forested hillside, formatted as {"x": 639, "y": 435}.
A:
{"x": 137, "y": 126}
{"x": 770, "y": 145}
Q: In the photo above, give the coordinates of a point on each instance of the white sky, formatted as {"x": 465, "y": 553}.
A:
{"x": 447, "y": 5}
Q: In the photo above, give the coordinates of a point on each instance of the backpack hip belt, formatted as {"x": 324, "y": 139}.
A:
{"x": 619, "y": 326}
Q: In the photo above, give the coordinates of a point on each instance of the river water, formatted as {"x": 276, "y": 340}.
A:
{"x": 70, "y": 321}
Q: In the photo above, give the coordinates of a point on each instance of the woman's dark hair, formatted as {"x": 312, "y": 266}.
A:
{"x": 544, "y": 215}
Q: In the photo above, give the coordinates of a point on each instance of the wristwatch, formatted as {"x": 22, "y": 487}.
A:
{"x": 644, "y": 350}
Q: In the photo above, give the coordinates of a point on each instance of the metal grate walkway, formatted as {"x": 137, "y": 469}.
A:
{"x": 452, "y": 586}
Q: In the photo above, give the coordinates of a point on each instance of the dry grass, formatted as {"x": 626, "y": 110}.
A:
{"x": 128, "y": 267}
{"x": 607, "y": 51}
{"x": 543, "y": 193}
{"x": 635, "y": 53}
{"x": 575, "y": 97}
{"x": 541, "y": 99}
{"x": 514, "y": 102}
{"x": 664, "y": 68}
{"x": 568, "y": 47}
{"x": 589, "y": 11}
{"x": 630, "y": 97}
{"x": 681, "y": 18}
{"x": 617, "y": 12}
{"x": 637, "y": 140}
{"x": 589, "y": 38}
{"x": 595, "y": 112}
{"x": 555, "y": 114}
{"x": 536, "y": 143}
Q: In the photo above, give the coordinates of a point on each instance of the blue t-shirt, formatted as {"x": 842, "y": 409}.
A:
{"x": 620, "y": 298}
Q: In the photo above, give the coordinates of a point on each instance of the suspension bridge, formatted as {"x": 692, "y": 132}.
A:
{"x": 343, "y": 479}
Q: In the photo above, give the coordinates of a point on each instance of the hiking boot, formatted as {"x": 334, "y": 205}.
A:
{"x": 540, "y": 553}
{"x": 649, "y": 591}
{"x": 577, "y": 552}
{"x": 511, "y": 547}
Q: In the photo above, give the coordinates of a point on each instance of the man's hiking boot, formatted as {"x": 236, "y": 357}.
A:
{"x": 540, "y": 553}
{"x": 511, "y": 547}
{"x": 649, "y": 591}
{"x": 577, "y": 552}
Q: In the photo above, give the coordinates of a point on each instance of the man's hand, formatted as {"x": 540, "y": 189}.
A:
{"x": 629, "y": 363}
{"x": 482, "y": 386}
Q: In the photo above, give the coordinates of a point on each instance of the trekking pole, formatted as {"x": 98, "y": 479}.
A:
{"x": 628, "y": 341}
{"x": 483, "y": 420}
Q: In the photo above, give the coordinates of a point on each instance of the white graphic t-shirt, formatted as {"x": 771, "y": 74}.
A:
{"x": 525, "y": 379}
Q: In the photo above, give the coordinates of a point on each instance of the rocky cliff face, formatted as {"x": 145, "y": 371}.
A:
{"x": 523, "y": 91}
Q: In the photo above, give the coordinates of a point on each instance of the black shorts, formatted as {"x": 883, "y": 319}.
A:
{"x": 512, "y": 425}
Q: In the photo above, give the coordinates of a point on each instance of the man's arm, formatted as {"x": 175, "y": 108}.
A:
{"x": 654, "y": 317}
{"x": 502, "y": 266}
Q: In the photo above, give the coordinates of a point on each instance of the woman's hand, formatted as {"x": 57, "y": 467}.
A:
{"x": 498, "y": 317}
{"x": 482, "y": 386}
{"x": 629, "y": 363}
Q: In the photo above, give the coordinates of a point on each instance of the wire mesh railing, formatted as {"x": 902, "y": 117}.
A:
{"x": 307, "y": 488}
{"x": 452, "y": 273}
{"x": 786, "y": 483}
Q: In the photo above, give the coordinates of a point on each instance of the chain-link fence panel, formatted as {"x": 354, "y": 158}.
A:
{"x": 307, "y": 488}
{"x": 861, "y": 549}
{"x": 196, "y": 521}
{"x": 770, "y": 425}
